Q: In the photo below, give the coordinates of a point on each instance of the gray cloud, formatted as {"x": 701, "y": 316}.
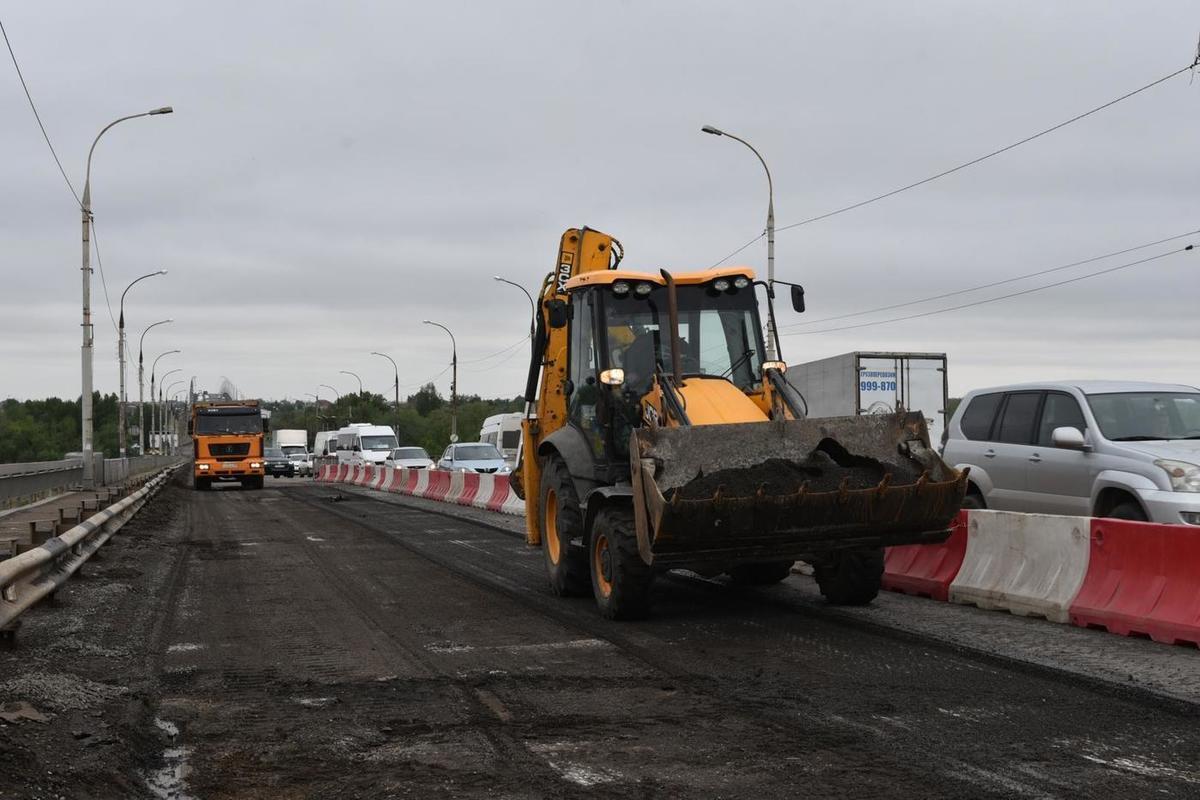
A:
{"x": 334, "y": 175}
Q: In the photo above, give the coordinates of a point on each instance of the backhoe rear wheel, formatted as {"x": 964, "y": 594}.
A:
{"x": 621, "y": 581}
{"x": 850, "y": 577}
{"x": 562, "y": 521}
{"x": 761, "y": 574}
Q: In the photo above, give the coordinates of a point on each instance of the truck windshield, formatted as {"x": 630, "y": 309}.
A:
{"x": 293, "y": 449}
{"x": 718, "y": 334}
{"x": 214, "y": 424}
{"x": 1145, "y": 416}
{"x": 378, "y": 442}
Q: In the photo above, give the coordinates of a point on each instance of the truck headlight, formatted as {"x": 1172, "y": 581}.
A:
{"x": 255, "y": 465}
{"x": 1184, "y": 477}
{"x": 202, "y": 467}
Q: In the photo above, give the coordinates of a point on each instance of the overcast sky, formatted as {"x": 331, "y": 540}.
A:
{"x": 336, "y": 172}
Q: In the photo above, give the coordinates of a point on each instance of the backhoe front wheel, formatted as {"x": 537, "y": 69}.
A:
{"x": 621, "y": 581}
{"x": 850, "y": 577}
{"x": 562, "y": 521}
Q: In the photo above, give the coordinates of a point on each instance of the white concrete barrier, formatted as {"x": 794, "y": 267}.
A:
{"x": 1029, "y": 564}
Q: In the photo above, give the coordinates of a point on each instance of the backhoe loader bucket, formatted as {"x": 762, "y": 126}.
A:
{"x": 754, "y": 492}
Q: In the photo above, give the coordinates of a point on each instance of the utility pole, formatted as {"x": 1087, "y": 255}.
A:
{"x": 87, "y": 351}
{"x": 396, "y": 385}
{"x": 453, "y": 381}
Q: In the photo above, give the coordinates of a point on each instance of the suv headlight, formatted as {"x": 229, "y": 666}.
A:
{"x": 1184, "y": 477}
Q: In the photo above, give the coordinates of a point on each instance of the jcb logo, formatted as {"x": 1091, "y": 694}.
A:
{"x": 564, "y": 275}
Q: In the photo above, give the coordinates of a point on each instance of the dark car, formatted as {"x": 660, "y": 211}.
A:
{"x": 278, "y": 464}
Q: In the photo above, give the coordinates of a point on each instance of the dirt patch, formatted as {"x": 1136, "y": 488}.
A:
{"x": 777, "y": 476}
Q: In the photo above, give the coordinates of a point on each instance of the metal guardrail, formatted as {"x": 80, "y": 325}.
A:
{"x": 27, "y": 578}
{"x": 31, "y": 480}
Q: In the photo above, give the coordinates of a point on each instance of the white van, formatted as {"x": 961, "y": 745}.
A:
{"x": 325, "y": 444}
{"x": 364, "y": 443}
{"x": 504, "y": 431}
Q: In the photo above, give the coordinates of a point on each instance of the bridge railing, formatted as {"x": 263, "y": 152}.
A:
{"x": 24, "y": 482}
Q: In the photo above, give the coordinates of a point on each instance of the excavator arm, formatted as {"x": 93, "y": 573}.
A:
{"x": 579, "y": 250}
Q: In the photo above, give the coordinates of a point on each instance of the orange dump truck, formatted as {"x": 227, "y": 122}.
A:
{"x": 227, "y": 443}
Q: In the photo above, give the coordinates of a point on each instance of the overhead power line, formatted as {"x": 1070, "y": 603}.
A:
{"x": 993, "y": 153}
{"x": 104, "y": 283}
{"x": 994, "y": 299}
{"x": 979, "y": 159}
{"x": 993, "y": 284}
{"x": 38, "y": 116}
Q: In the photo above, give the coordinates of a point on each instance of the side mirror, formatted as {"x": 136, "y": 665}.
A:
{"x": 190, "y": 426}
{"x": 798, "y": 299}
{"x": 558, "y": 313}
{"x": 1067, "y": 438}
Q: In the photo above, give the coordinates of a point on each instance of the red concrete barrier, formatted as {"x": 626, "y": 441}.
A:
{"x": 927, "y": 570}
{"x": 342, "y": 471}
{"x": 1143, "y": 579}
{"x": 470, "y": 488}
{"x": 439, "y": 485}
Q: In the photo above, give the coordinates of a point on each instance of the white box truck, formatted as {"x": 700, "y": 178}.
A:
{"x": 876, "y": 383}
{"x": 290, "y": 440}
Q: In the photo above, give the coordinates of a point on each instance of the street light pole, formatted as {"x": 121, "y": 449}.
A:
{"x": 336, "y": 401}
{"x": 772, "y": 355}
{"x": 141, "y": 387}
{"x": 316, "y": 409}
{"x": 152, "y": 368}
{"x": 396, "y": 369}
{"x": 453, "y": 380}
{"x": 123, "y": 401}
{"x": 360, "y": 388}
{"x": 162, "y": 382}
{"x": 532, "y": 305}
{"x": 88, "y": 348}
{"x": 164, "y": 396}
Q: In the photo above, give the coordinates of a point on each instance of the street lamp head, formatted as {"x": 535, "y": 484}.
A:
{"x": 712, "y": 130}
{"x": 161, "y": 272}
{"x": 427, "y": 321}
{"x": 497, "y": 278}
{"x": 163, "y": 110}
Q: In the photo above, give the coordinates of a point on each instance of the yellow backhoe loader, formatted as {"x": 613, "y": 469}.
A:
{"x": 657, "y": 437}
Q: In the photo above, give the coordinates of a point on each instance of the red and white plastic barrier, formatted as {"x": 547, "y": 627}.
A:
{"x": 1129, "y": 578}
{"x": 488, "y": 492}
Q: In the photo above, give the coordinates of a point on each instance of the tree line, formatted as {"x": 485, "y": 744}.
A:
{"x": 45, "y": 430}
{"x": 423, "y": 418}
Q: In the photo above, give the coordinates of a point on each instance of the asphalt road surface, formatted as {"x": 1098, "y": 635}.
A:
{"x": 284, "y": 644}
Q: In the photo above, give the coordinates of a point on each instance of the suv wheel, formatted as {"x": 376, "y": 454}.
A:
{"x": 1128, "y": 510}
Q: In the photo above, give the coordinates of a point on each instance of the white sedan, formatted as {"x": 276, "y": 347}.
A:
{"x": 409, "y": 458}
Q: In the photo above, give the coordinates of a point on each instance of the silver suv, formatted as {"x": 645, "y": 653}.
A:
{"x": 1092, "y": 448}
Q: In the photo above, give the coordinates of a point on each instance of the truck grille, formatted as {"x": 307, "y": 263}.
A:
{"x": 229, "y": 449}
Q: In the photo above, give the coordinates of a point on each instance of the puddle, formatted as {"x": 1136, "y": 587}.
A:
{"x": 169, "y": 782}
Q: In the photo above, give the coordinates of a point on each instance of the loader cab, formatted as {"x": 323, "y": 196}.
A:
{"x": 620, "y": 338}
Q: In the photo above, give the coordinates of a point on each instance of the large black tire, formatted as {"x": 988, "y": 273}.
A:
{"x": 562, "y": 521}
{"x": 1128, "y": 510}
{"x": 850, "y": 577}
{"x": 201, "y": 484}
{"x": 761, "y": 574}
{"x": 621, "y": 581}
{"x": 253, "y": 483}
